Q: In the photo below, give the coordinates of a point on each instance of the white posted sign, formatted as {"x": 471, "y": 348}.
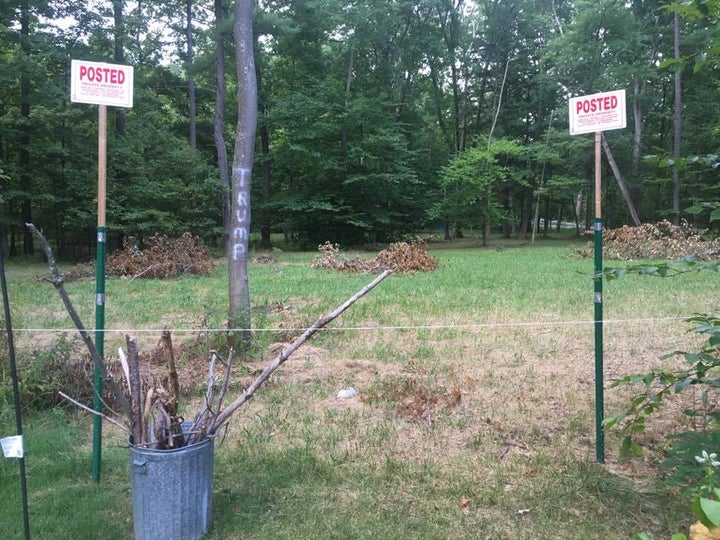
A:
{"x": 598, "y": 112}
{"x": 98, "y": 83}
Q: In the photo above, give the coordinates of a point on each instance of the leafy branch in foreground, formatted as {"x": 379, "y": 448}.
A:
{"x": 703, "y": 372}
{"x": 687, "y": 264}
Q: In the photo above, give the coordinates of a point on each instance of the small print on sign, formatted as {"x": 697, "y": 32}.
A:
{"x": 12, "y": 446}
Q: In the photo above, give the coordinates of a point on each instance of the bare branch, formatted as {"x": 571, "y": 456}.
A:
{"x": 224, "y": 416}
{"x": 58, "y": 282}
{"x": 136, "y": 397}
{"x": 96, "y": 413}
{"x": 174, "y": 383}
{"x": 226, "y": 380}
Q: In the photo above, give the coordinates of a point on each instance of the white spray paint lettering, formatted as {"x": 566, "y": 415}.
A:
{"x": 242, "y": 213}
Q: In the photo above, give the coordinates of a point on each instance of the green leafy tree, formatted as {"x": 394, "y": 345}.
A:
{"x": 473, "y": 181}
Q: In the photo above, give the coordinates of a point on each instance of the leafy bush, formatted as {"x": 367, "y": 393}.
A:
{"x": 703, "y": 373}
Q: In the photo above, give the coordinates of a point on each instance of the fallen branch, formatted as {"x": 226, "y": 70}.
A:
{"x": 58, "y": 282}
{"x": 225, "y": 415}
{"x": 88, "y": 409}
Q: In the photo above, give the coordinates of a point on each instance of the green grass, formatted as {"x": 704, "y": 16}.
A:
{"x": 510, "y": 329}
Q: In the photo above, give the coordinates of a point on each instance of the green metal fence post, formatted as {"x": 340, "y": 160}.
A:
{"x": 599, "y": 392}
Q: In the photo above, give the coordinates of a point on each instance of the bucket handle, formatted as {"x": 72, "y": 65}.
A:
{"x": 140, "y": 467}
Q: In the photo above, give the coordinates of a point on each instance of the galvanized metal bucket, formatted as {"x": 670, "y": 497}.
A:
{"x": 172, "y": 491}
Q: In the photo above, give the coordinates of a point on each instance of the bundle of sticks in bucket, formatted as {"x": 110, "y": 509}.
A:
{"x": 155, "y": 420}
{"x": 150, "y": 401}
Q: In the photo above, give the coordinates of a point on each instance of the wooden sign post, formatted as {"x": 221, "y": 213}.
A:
{"x": 100, "y": 84}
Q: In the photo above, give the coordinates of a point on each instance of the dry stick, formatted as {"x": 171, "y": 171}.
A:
{"x": 226, "y": 380}
{"x": 57, "y": 280}
{"x": 147, "y": 408}
{"x": 151, "y": 267}
{"x": 199, "y": 425}
{"x": 210, "y": 394}
{"x": 224, "y": 416}
{"x": 88, "y": 409}
{"x": 174, "y": 384}
{"x": 136, "y": 398}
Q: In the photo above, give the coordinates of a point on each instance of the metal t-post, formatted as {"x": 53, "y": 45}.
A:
{"x": 100, "y": 291}
{"x": 599, "y": 392}
{"x": 16, "y": 393}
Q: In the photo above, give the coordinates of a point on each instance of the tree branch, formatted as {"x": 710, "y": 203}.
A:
{"x": 88, "y": 409}
{"x": 58, "y": 282}
{"x": 224, "y": 416}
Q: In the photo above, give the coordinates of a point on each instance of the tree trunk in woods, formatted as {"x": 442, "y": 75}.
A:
{"x": 3, "y": 235}
{"x": 558, "y": 224}
{"x": 638, "y": 123}
{"x": 219, "y": 122}
{"x": 25, "y": 175}
{"x": 348, "y": 87}
{"x": 578, "y": 210}
{"x": 677, "y": 126}
{"x": 192, "y": 135}
{"x": 119, "y": 56}
{"x": 238, "y": 242}
{"x": 265, "y": 214}
{"x": 265, "y": 166}
{"x": 621, "y": 183}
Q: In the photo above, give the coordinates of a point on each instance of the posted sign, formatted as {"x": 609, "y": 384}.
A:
{"x": 98, "y": 83}
{"x": 598, "y": 112}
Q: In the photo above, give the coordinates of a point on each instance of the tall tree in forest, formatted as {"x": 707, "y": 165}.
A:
{"x": 677, "y": 122}
{"x": 192, "y": 137}
{"x": 219, "y": 119}
{"x": 238, "y": 241}
{"x": 119, "y": 55}
{"x": 24, "y": 158}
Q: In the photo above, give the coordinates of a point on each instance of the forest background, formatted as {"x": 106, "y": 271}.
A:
{"x": 376, "y": 117}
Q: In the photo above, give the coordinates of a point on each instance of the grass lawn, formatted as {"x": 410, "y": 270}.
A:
{"x": 475, "y": 414}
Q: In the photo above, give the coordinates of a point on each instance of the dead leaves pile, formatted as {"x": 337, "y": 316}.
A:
{"x": 661, "y": 240}
{"x": 161, "y": 258}
{"x": 402, "y": 257}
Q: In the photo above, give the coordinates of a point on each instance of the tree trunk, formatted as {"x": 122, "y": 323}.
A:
{"x": 24, "y": 158}
{"x": 677, "y": 126}
{"x": 119, "y": 57}
{"x": 621, "y": 183}
{"x": 558, "y": 225}
{"x": 219, "y": 122}
{"x": 265, "y": 214}
{"x": 638, "y": 123}
{"x": 348, "y": 87}
{"x": 192, "y": 136}
{"x": 239, "y": 319}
